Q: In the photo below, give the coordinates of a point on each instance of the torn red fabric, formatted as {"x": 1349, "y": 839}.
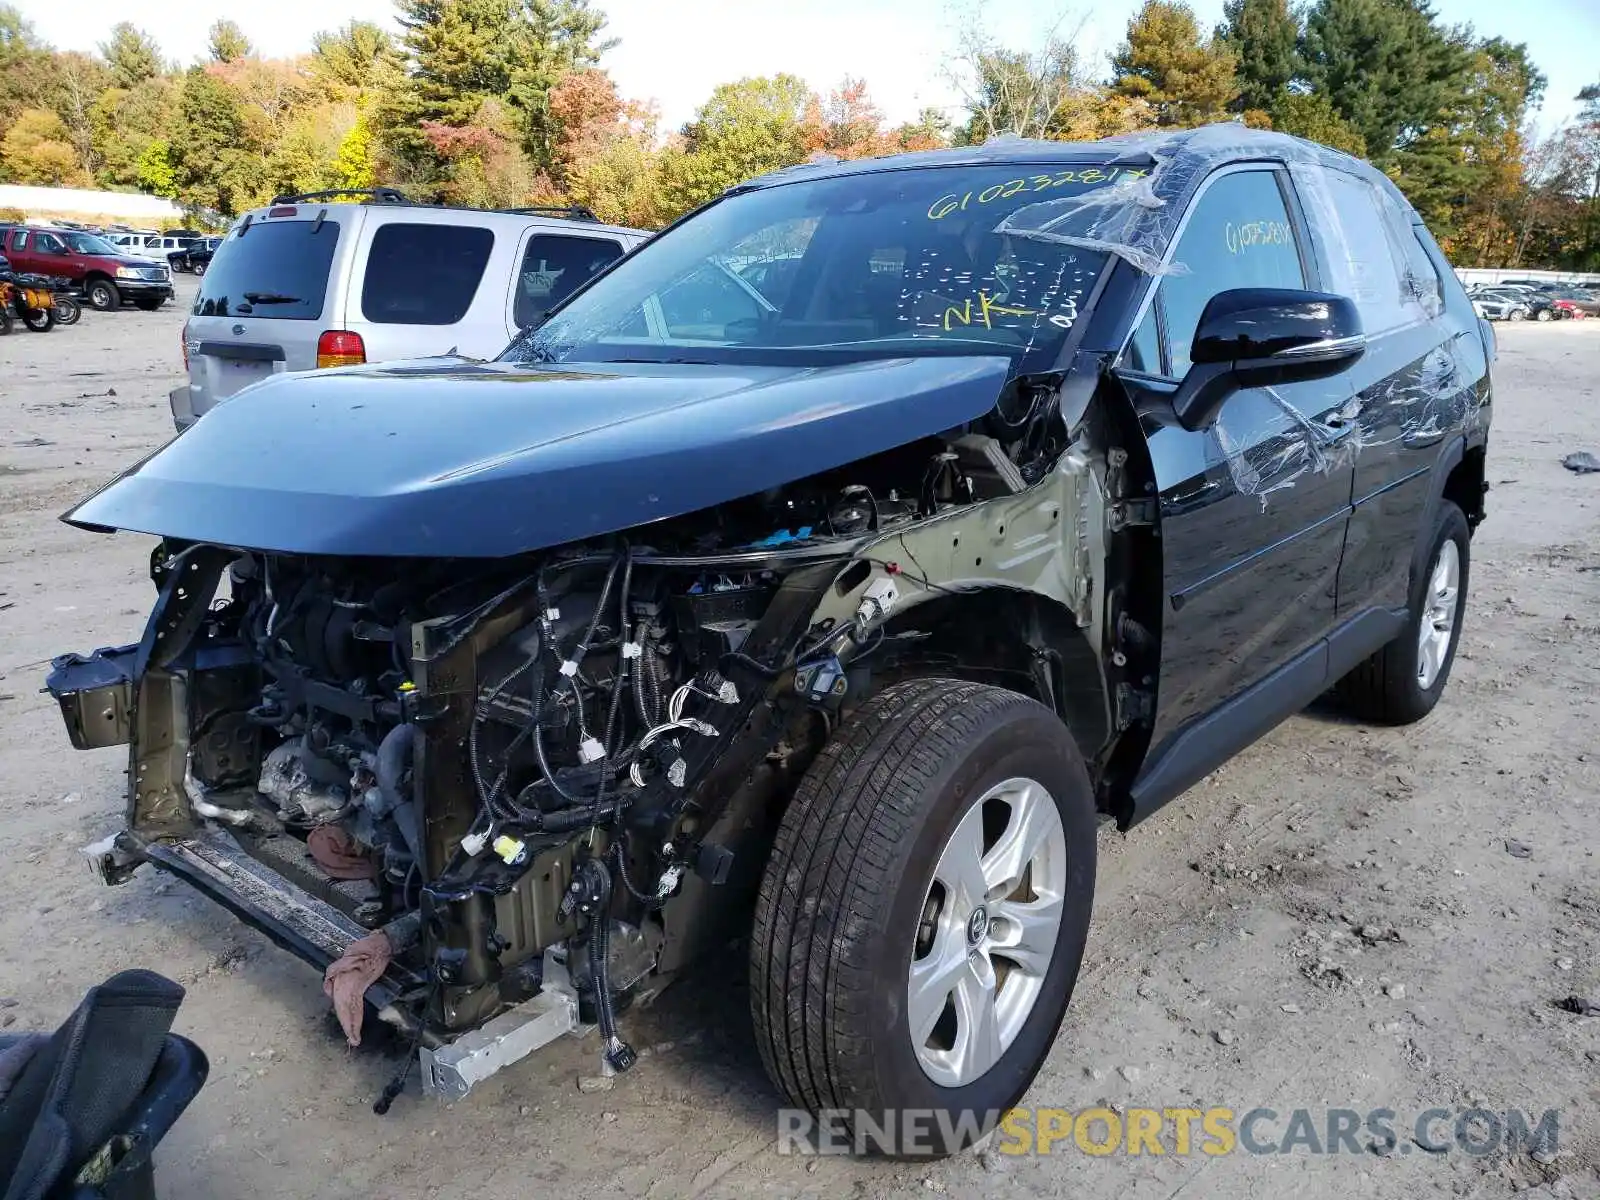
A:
{"x": 339, "y": 854}
{"x": 346, "y": 981}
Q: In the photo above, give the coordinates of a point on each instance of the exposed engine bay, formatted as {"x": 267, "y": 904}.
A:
{"x": 564, "y": 762}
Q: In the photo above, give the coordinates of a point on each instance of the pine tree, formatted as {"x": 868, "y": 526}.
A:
{"x": 1186, "y": 80}
{"x": 1263, "y": 36}
{"x": 132, "y": 55}
{"x": 227, "y": 41}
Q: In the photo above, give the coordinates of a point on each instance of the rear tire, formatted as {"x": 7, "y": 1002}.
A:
{"x": 199, "y": 269}
{"x": 104, "y": 296}
{"x": 1403, "y": 681}
{"x": 1542, "y": 315}
{"x": 855, "y": 929}
{"x": 40, "y": 320}
{"x": 1518, "y": 314}
{"x": 68, "y": 310}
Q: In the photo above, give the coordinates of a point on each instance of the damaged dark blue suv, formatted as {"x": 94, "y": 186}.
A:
{"x": 814, "y": 576}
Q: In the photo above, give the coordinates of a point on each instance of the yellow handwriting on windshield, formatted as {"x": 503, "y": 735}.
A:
{"x": 987, "y": 307}
{"x": 1092, "y": 176}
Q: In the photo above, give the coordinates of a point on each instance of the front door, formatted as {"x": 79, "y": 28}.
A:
{"x": 1253, "y": 510}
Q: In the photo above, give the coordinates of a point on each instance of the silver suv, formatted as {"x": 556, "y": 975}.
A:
{"x": 320, "y": 281}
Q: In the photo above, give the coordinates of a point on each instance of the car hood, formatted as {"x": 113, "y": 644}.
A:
{"x": 488, "y": 460}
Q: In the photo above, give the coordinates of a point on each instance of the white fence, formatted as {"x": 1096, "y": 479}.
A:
{"x": 135, "y": 206}
{"x": 1472, "y": 275}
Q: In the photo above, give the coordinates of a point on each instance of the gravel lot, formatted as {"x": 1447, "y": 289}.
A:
{"x": 1333, "y": 919}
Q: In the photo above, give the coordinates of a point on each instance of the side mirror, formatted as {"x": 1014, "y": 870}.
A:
{"x": 1258, "y": 337}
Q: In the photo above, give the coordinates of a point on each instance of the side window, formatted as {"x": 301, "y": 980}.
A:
{"x": 20, "y": 240}
{"x": 1239, "y": 235}
{"x": 421, "y": 274}
{"x": 552, "y": 268}
{"x": 47, "y": 243}
{"x": 1356, "y": 222}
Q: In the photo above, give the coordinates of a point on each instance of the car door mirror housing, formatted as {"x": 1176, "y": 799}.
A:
{"x": 1258, "y": 337}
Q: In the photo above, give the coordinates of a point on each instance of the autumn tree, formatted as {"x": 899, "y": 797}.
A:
{"x": 1263, "y": 37}
{"x": 124, "y": 122}
{"x": 483, "y": 164}
{"x": 932, "y": 130}
{"x": 38, "y": 149}
{"x": 463, "y": 52}
{"x": 746, "y": 128}
{"x": 1186, "y": 79}
{"x": 226, "y": 42}
{"x": 72, "y": 86}
{"x": 132, "y": 55}
{"x": 24, "y": 63}
{"x": 847, "y": 124}
{"x": 605, "y": 157}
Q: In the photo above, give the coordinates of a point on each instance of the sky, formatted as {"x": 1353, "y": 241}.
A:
{"x": 675, "y": 51}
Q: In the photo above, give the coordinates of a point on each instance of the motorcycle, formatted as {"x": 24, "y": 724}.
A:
{"x": 30, "y": 299}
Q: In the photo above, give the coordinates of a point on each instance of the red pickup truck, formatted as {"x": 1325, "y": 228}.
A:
{"x": 107, "y": 276}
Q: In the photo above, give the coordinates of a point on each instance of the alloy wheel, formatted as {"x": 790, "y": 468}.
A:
{"x": 1438, "y": 613}
{"x": 988, "y": 932}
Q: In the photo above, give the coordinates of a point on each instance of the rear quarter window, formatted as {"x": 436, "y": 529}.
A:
{"x": 552, "y": 268}
{"x": 423, "y": 274}
{"x": 276, "y": 269}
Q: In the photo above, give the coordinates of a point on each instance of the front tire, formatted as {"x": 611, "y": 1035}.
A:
{"x": 1542, "y": 315}
{"x": 104, "y": 296}
{"x": 923, "y": 915}
{"x": 1403, "y": 681}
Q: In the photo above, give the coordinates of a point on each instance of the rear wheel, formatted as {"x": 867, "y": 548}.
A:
{"x": 104, "y": 296}
{"x": 67, "y": 310}
{"x": 199, "y": 268}
{"x": 1403, "y": 681}
{"x": 924, "y": 913}
{"x": 40, "y": 320}
{"x": 1542, "y": 315}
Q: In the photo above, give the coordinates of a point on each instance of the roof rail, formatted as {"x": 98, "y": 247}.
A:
{"x": 576, "y": 212}
{"x": 381, "y": 195}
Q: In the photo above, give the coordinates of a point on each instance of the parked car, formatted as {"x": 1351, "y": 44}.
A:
{"x": 322, "y": 280}
{"x": 1060, "y": 474}
{"x": 154, "y": 246}
{"x": 1570, "y": 309}
{"x": 1578, "y": 299}
{"x": 194, "y": 256}
{"x": 106, "y": 276}
{"x": 1495, "y": 305}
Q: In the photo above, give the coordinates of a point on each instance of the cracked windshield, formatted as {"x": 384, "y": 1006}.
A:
{"x": 885, "y": 263}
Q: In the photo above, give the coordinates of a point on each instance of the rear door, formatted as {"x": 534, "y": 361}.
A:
{"x": 266, "y": 299}
{"x": 418, "y": 285}
{"x": 1412, "y": 386}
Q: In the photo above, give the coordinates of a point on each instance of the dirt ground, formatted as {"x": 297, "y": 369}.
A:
{"x": 1334, "y": 919}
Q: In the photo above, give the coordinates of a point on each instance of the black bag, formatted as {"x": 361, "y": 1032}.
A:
{"x": 82, "y": 1109}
